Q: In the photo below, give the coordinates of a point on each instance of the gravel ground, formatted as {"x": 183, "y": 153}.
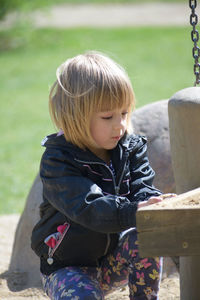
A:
{"x": 107, "y": 15}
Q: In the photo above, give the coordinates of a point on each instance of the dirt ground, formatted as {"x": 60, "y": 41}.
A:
{"x": 114, "y": 15}
{"x": 8, "y": 223}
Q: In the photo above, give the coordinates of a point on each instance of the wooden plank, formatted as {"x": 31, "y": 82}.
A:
{"x": 170, "y": 228}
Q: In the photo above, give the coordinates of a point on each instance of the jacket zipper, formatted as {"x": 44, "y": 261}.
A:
{"x": 53, "y": 250}
{"x": 120, "y": 179}
{"x": 116, "y": 189}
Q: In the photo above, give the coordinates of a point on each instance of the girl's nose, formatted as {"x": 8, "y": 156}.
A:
{"x": 119, "y": 123}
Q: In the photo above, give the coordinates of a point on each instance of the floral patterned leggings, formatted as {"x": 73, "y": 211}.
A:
{"x": 117, "y": 269}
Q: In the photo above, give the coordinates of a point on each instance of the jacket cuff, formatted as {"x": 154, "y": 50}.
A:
{"x": 127, "y": 215}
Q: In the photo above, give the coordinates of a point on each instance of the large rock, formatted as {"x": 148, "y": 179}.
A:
{"x": 23, "y": 259}
{"x": 150, "y": 120}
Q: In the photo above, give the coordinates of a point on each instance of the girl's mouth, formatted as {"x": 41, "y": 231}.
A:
{"x": 116, "y": 137}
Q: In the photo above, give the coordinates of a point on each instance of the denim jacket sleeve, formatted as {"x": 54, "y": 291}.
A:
{"x": 142, "y": 175}
{"x": 80, "y": 199}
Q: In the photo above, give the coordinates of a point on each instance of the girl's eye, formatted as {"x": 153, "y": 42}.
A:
{"x": 107, "y": 118}
{"x": 124, "y": 113}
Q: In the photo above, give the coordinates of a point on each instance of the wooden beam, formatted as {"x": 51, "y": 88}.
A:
{"x": 171, "y": 227}
{"x": 184, "y": 128}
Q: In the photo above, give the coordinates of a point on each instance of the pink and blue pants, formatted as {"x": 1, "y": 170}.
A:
{"x": 123, "y": 266}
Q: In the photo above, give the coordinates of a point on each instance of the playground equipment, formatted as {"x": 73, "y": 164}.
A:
{"x": 171, "y": 228}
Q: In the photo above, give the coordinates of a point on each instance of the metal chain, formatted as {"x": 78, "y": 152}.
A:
{"x": 195, "y": 39}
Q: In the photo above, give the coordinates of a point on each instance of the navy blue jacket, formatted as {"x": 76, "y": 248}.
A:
{"x": 81, "y": 192}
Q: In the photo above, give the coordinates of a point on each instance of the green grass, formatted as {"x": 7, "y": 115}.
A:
{"x": 158, "y": 60}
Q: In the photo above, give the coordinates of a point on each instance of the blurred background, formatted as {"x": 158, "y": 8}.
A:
{"x": 156, "y": 55}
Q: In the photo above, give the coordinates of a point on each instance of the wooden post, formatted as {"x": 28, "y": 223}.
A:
{"x": 170, "y": 227}
{"x": 184, "y": 128}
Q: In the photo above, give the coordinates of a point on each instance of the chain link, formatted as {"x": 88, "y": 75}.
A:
{"x": 195, "y": 39}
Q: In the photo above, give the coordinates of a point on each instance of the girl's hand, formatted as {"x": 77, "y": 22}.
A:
{"x": 155, "y": 199}
{"x": 150, "y": 201}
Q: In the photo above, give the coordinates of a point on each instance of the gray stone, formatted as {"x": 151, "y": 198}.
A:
{"x": 23, "y": 259}
{"x": 150, "y": 120}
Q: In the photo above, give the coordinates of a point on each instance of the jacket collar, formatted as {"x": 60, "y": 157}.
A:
{"x": 126, "y": 144}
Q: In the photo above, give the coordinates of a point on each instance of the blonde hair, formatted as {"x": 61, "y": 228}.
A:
{"x": 88, "y": 83}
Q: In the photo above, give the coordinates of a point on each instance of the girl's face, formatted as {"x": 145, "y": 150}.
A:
{"x": 107, "y": 128}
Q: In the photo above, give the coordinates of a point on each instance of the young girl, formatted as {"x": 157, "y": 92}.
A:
{"x": 95, "y": 176}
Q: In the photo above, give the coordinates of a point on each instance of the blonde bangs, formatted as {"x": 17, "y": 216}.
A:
{"x": 114, "y": 98}
{"x": 112, "y": 88}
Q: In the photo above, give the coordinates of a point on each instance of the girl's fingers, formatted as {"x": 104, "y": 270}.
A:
{"x": 153, "y": 200}
{"x": 156, "y": 199}
{"x": 169, "y": 195}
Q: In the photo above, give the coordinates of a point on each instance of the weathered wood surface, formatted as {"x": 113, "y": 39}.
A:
{"x": 184, "y": 128}
{"x": 171, "y": 227}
